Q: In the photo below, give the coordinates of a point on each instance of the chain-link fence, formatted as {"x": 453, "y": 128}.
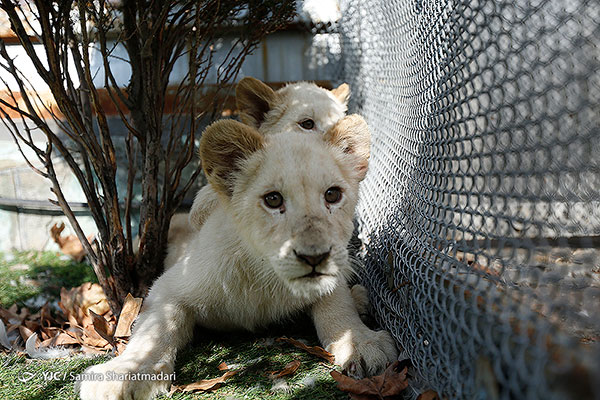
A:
{"x": 480, "y": 215}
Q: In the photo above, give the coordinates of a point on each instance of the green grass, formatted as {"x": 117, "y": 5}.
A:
{"x": 27, "y": 274}
{"x": 13, "y": 367}
{"x": 198, "y": 361}
{"x": 256, "y": 359}
{"x": 254, "y": 354}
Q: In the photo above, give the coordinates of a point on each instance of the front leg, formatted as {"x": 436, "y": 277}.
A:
{"x": 359, "y": 350}
{"x": 161, "y": 329}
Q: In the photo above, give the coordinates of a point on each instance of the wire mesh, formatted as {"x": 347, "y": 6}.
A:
{"x": 480, "y": 215}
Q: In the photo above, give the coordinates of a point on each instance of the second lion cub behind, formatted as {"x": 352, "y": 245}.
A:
{"x": 275, "y": 244}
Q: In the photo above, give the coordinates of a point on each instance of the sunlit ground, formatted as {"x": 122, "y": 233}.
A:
{"x": 32, "y": 278}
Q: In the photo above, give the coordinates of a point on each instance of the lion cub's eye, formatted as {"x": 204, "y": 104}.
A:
{"x": 307, "y": 124}
{"x": 273, "y": 199}
{"x": 333, "y": 195}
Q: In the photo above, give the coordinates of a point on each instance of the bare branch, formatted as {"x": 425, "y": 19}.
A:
{"x": 157, "y": 36}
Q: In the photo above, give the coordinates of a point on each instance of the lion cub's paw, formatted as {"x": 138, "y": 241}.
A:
{"x": 99, "y": 386}
{"x": 364, "y": 352}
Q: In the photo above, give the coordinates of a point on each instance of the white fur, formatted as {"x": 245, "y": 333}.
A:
{"x": 44, "y": 353}
{"x": 299, "y": 101}
{"x": 239, "y": 271}
{"x": 296, "y": 102}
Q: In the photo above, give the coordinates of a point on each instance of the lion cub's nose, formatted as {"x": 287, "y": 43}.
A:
{"x": 313, "y": 261}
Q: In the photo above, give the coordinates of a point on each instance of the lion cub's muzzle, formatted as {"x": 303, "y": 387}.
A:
{"x": 314, "y": 261}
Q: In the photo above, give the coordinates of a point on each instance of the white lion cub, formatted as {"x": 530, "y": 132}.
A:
{"x": 297, "y": 107}
{"x": 275, "y": 244}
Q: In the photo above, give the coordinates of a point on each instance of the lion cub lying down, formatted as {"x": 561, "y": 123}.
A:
{"x": 275, "y": 244}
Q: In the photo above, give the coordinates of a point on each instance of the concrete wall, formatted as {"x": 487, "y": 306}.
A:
{"x": 18, "y": 181}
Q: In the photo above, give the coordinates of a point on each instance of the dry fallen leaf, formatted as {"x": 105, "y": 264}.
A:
{"x": 61, "y": 339}
{"x": 25, "y": 332}
{"x": 69, "y": 245}
{"x": 93, "y": 339}
{"x": 46, "y": 318}
{"x": 76, "y": 302}
{"x": 314, "y": 350}
{"x": 102, "y": 328}
{"x": 289, "y": 369}
{"x": 223, "y": 366}
{"x": 428, "y": 395}
{"x": 129, "y": 313}
{"x": 49, "y": 332}
{"x": 390, "y": 383}
{"x": 24, "y": 314}
{"x": 12, "y": 327}
{"x": 31, "y": 325}
{"x": 472, "y": 261}
{"x": 204, "y": 385}
{"x": 92, "y": 324}
{"x": 8, "y": 316}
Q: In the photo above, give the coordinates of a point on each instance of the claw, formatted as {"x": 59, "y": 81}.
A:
{"x": 351, "y": 370}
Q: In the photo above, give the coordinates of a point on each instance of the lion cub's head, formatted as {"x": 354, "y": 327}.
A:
{"x": 297, "y": 107}
{"x": 291, "y": 195}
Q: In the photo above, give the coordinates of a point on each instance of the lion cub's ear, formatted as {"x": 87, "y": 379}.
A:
{"x": 352, "y": 135}
{"x": 342, "y": 93}
{"x": 254, "y": 99}
{"x": 223, "y": 146}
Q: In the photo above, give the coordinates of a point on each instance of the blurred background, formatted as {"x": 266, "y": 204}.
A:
{"x": 307, "y": 48}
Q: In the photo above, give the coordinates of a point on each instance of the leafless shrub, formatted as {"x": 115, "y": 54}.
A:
{"x": 155, "y": 35}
